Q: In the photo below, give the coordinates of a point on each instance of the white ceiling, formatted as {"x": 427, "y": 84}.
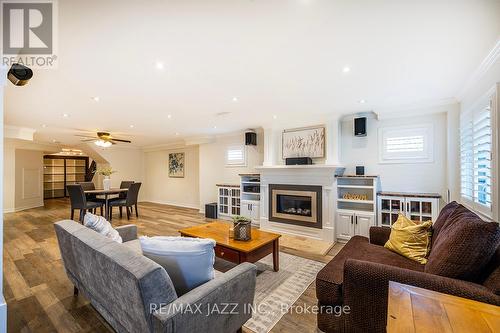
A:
{"x": 282, "y": 58}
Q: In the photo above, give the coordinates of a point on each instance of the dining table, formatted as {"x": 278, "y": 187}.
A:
{"x": 106, "y": 194}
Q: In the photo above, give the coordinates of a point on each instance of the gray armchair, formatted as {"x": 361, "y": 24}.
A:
{"x": 134, "y": 294}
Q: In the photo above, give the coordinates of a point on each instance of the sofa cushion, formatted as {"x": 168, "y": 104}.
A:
{"x": 188, "y": 261}
{"x": 464, "y": 247}
{"x": 442, "y": 220}
{"x": 410, "y": 239}
{"x": 101, "y": 225}
{"x": 329, "y": 280}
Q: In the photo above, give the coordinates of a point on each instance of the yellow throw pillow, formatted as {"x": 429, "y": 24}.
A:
{"x": 410, "y": 239}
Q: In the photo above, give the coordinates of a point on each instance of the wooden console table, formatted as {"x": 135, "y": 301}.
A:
{"x": 413, "y": 309}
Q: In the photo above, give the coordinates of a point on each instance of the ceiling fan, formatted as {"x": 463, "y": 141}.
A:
{"x": 103, "y": 139}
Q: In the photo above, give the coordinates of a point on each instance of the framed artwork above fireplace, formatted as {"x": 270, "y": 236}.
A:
{"x": 304, "y": 142}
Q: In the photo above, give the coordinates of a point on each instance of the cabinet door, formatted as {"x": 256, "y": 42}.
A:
{"x": 246, "y": 209}
{"x": 345, "y": 225}
{"x": 362, "y": 224}
{"x": 389, "y": 208}
{"x": 255, "y": 212}
{"x": 420, "y": 209}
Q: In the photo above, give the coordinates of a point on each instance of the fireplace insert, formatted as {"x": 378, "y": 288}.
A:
{"x": 295, "y": 204}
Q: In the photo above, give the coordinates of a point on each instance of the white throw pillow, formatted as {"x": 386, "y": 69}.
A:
{"x": 100, "y": 225}
{"x": 188, "y": 261}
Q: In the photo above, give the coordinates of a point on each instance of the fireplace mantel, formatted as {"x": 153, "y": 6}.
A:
{"x": 335, "y": 168}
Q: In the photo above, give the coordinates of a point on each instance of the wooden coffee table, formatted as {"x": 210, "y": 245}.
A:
{"x": 261, "y": 244}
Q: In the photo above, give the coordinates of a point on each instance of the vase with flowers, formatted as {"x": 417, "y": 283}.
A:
{"x": 106, "y": 172}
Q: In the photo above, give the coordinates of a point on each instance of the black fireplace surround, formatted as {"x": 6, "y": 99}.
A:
{"x": 297, "y": 208}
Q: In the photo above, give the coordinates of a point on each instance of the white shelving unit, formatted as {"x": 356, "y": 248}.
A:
{"x": 250, "y": 197}
{"x": 228, "y": 203}
{"x": 415, "y": 206}
{"x": 355, "y": 217}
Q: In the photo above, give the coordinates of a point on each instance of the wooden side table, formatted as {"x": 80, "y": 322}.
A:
{"x": 413, "y": 309}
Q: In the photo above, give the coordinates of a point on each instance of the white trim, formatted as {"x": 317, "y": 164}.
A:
{"x": 429, "y": 149}
{"x": 175, "y": 204}
{"x": 18, "y": 209}
{"x": 491, "y": 58}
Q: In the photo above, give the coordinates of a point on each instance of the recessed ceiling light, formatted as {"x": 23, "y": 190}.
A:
{"x": 176, "y": 133}
{"x": 235, "y": 99}
{"x": 346, "y": 69}
{"x": 131, "y": 126}
{"x": 275, "y": 116}
{"x": 169, "y": 116}
{"x": 362, "y": 101}
{"x": 215, "y": 127}
{"x": 43, "y": 125}
{"x": 65, "y": 115}
{"x": 160, "y": 66}
{"x": 96, "y": 98}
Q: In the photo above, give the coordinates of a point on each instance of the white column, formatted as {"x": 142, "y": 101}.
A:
{"x": 453, "y": 153}
{"x": 270, "y": 147}
{"x": 333, "y": 141}
{"x": 3, "y": 305}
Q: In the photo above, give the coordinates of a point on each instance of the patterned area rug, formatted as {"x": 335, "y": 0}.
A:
{"x": 277, "y": 291}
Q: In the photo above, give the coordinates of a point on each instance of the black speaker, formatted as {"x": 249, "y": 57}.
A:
{"x": 360, "y": 171}
{"x": 360, "y": 126}
{"x": 251, "y": 139}
{"x": 211, "y": 210}
{"x": 19, "y": 74}
{"x": 298, "y": 161}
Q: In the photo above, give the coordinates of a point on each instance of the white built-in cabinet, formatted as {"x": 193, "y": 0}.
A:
{"x": 250, "y": 197}
{"x": 355, "y": 216}
{"x": 228, "y": 203}
{"x": 415, "y": 206}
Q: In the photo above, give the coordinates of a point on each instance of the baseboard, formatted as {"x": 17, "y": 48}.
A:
{"x": 3, "y": 315}
{"x": 18, "y": 209}
{"x": 173, "y": 204}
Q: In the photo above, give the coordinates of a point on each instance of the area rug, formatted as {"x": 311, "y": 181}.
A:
{"x": 276, "y": 292}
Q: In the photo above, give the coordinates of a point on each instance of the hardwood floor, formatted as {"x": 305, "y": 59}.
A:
{"x": 39, "y": 295}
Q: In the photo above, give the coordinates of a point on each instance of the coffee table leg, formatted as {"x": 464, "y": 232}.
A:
{"x": 276, "y": 255}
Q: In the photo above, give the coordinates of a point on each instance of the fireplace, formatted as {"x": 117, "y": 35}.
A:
{"x": 295, "y": 204}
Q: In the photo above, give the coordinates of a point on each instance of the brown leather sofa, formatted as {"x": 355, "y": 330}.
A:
{"x": 464, "y": 261}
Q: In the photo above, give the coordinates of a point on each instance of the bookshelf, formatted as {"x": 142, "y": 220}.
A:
{"x": 59, "y": 171}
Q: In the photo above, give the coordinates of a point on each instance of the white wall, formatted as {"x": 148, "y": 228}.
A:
{"x": 160, "y": 188}
{"x": 19, "y": 157}
{"x": 213, "y": 169}
{"x": 417, "y": 177}
{"x": 128, "y": 163}
{"x": 29, "y": 179}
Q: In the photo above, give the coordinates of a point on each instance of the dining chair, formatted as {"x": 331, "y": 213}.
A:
{"x": 129, "y": 202}
{"x": 79, "y": 201}
{"x": 125, "y": 184}
{"x": 89, "y": 186}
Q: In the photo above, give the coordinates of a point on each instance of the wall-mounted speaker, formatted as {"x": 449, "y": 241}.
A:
{"x": 251, "y": 139}
{"x": 19, "y": 74}
{"x": 360, "y": 126}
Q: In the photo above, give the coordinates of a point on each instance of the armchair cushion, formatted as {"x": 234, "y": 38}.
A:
{"x": 330, "y": 279}
{"x": 379, "y": 235}
{"x": 442, "y": 219}
{"x": 464, "y": 247}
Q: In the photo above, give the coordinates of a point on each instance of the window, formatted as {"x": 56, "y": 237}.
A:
{"x": 236, "y": 156}
{"x": 476, "y": 157}
{"x": 409, "y": 144}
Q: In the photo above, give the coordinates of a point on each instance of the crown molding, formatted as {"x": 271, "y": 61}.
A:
{"x": 492, "y": 57}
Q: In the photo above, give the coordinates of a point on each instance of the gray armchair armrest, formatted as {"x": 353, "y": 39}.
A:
{"x": 127, "y": 232}
{"x": 366, "y": 288}
{"x": 220, "y": 305}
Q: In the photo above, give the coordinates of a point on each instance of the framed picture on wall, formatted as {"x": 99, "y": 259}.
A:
{"x": 304, "y": 142}
{"x": 176, "y": 165}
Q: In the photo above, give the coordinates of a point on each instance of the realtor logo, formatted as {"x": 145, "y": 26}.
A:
{"x": 28, "y": 30}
